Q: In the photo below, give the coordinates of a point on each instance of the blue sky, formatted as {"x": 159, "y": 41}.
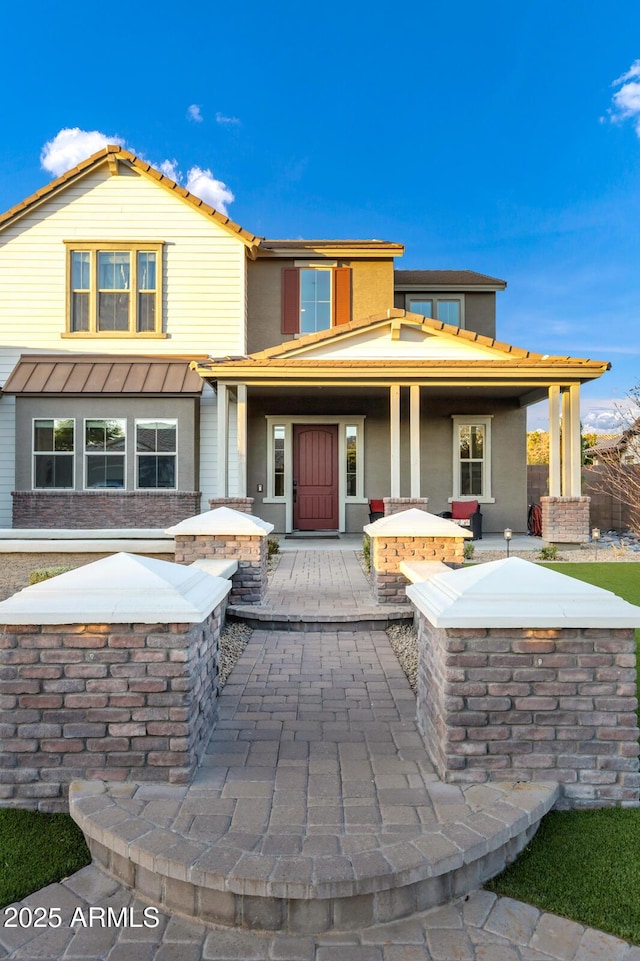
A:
{"x": 485, "y": 136}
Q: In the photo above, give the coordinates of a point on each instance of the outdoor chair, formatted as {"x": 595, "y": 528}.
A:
{"x": 376, "y": 510}
{"x": 466, "y": 514}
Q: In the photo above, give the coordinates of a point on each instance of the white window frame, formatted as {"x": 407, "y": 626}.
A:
{"x": 467, "y": 420}
{"x": 86, "y": 454}
{"x": 137, "y": 454}
{"x": 313, "y": 265}
{"x": 34, "y": 453}
{"x": 437, "y": 299}
{"x": 342, "y": 423}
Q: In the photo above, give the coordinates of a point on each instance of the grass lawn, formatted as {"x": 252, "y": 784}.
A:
{"x": 585, "y": 865}
{"x": 36, "y": 850}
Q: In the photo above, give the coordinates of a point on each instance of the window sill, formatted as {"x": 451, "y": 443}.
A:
{"x": 112, "y": 334}
{"x": 468, "y": 497}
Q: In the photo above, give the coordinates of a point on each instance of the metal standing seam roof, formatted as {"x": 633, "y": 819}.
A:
{"x": 52, "y": 374}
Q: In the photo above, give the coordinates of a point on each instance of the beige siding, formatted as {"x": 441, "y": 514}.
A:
{"x": 204, "y": 287}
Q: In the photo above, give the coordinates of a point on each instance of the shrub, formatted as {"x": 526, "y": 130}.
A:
{"x": 273, "y": 546}
{"x": 468, "y": 550}
{"x": 366, "y": 551}
{"x": 548, "y": 553}
{"x": 44, "y": 573}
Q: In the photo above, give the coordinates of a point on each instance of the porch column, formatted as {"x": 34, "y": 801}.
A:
{"x": 394, "y": 438}
{"x": 414, "y": 392}
{"x": 242, "y": 439}
{"x": 576, "y": 441}
{"x": 565, "y": 442}
{"x": 223, "y": 440}
{"x": 554, "y": 441}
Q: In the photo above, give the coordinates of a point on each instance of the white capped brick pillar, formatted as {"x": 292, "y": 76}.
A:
{"x": 526, "y": 674}
{"x": 109, "y": 672}
{"x": 411, "y": 535}
{"x": 227, "y": 534}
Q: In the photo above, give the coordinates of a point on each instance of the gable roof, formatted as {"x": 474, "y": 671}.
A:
{"x": 446, "y": 279}
{"x": 114, "y": 154}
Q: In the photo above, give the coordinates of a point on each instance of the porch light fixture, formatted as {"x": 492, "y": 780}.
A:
{"x": 595, "y": 537}
{"x": 508, "y": 534}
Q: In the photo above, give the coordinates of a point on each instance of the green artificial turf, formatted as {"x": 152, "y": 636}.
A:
{"x": 35, "y": 850}
{"x": 584, "y": 865}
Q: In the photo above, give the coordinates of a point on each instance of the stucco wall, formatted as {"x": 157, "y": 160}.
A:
{"x": 186, "y": 410}
{"x": 509, "y": 486}
{"x": 371, "y": 293}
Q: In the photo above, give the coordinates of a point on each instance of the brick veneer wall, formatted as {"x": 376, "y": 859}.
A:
{"x": 565, "y": 520}
{"x": 243, "y": 504}
{"x": 96, "y": 509}
{"x": 387, "y": 581}
{"x": 394, "y": 505}
{"x": 249, "y": 583}
{"x": 560, "y": 705}
{"x": 105, "y": 701}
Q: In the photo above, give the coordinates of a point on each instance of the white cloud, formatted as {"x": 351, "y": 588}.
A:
{"x": 214, "y": 192}
{"x": 220, "y": 118}
{"x": 70, "y": 146}
{"x": 193, "y": 113}
{"x": 626, "y": 100}
{"x": 171, "y": 170}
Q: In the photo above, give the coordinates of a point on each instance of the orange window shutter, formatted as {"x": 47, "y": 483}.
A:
{"x": 341, "y": 295}
{"x": 290, "y": 300}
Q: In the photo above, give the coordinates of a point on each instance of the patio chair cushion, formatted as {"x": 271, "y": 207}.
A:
{"x": 461, "y": 512}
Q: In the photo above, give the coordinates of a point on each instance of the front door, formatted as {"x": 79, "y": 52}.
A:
{"x": 315, "y": 477}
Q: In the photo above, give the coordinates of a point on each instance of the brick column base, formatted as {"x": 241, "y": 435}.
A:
{"x": 104, "y": 701}
{"x": 565, "y": 520}
{"x": 387, "y": 582}
{"x": 243, "y": 504}
{"x": 531, "y": 704}
{"x": 249, "y": 583}
{"x": 394, "y": 505}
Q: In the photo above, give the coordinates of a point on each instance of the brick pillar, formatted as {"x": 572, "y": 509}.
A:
{"x": 565, "y": 520}
{"x": 394, "y": 505}
{"x": 243, "y": 504}
{"x": 112, "y": 700}
{"x": 535, "y": 702}
{"x": 388, "y": 583}
{"x": 249, "y": 583}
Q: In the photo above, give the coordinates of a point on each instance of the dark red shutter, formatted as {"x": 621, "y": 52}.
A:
{"x": 290, "y": 300}
{"x": 341, "y": 295}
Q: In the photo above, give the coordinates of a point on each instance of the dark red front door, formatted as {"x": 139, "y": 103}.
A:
{"x": 315, "y": 473}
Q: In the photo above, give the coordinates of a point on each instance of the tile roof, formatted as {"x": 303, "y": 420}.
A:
{"x": 95, "y": 374}
{"x": 446, "y": 278}
{"x": 115, "y": 152}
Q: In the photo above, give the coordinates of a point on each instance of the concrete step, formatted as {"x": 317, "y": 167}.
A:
{"x": 184, "y": 849}
{"x": 273, "y": 618}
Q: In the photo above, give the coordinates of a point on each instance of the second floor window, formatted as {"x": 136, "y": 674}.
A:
{"x": 115, "y": 290}
{"x": 315, "y": 298}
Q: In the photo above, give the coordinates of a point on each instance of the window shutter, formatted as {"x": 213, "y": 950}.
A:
{"x": 290, "y": 300}
{"x": 341, "y": 295}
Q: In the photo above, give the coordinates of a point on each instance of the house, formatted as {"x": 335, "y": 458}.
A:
{"x": 621, "y": 448}
{"x": 156, "y": 356}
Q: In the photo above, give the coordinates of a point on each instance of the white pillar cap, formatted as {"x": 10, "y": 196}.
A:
{"x": 514, "y": 593}
{"x": 223, "y": 520}
{"x": 415, "y": 523}
{"x": 120, "y": 589}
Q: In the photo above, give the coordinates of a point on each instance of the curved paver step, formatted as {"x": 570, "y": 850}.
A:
{"x": 373, "y": 877}
{"x": 281, "y": 618}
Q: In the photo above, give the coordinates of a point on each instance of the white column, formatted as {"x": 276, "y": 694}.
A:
{"x": 554, "y": 441}
{"x": 576, "y": 441}
{"x": 565, "y": 441}
{"x": 394, "y": 437}
{"x": 241, "y": 439}
{"x": 414, "y": 394}
{"x": 223, "y": 440}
